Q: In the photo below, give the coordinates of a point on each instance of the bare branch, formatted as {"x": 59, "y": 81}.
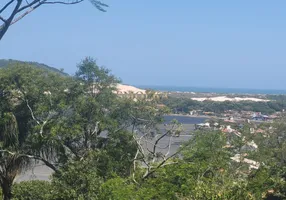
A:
{"x": 169, "y": 163}
{"x": 28, "y": 11}
{"x": 32, "y": 113}
{"x": 134, "y": 166}
{"x": 21, "y": 16}
{"x": 96, "y": 128}
{"x": 29, "y": 5}
{"x": 6, "y": 25}
{"x": 62, "y": 2}
{"x": 163, "y": 163}
{"x": 43, "y": 123}
{"x": 2, "y": 19}
{"x": 9, "y": 152}
{"x": 162, "y": 136}
{"x": 169, "y": 149}
{"x": 146, "y": 175}
{"x": 6, "y": 6}
{"x": 139, "y": 150}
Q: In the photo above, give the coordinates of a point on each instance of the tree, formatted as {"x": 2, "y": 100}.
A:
{"x": 12, "y": 161}
{"x": 18, "y": 9}
{"x": 272, "y": 153}
{"x": 33, "y": 190}
{"x": 79, "y": 179}
{"x": 30, "y": 99}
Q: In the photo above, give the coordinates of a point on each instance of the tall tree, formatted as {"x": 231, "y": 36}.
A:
{"x": 16, "y": 10}
{"x": 30, "y": 100}
{"x": 12, "y": 161}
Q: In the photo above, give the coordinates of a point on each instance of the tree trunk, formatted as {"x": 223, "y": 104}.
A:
{"x": 6, "y": 190}
{"x": 3, "y": 30}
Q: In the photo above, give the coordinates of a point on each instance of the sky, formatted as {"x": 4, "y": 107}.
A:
{"x": 218, "y": 44}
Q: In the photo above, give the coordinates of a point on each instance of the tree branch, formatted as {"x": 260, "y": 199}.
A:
{"x": 5, "y": 26}
{"x": 6, "y": 151}
{"x": 6, "y": 6}
{"x": 146, "y": 175}
{"x": 163, "y": 163}
{"x": 139, "y": 150}
{"x": 22, "y": 16}
{"x": 161, "y": 137}
{"x": 47, "y": 163}
{"x": 62, "y": 2}
{"x": 169, "y": 149}
{"x": 2, "y": 19}
{"x": 134, "y": 166}
{"x": 29, "y": 5}
{"x": 43, "y": 123}
{"x": 32, "y": 113}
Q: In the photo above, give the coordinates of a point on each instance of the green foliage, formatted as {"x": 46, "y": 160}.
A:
{"x": 117, "y": 189}
{"x": 120, "y": 149}
{"x": 80, "y": 124}
{"x": 28, "y": 93}
{"x": 184, "y": 105}
{"x": 32, "y": 190}
{"x": 79, "y": 179}
{"x": 6, "y": 63}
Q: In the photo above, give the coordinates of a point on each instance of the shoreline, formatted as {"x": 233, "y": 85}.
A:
{"x": 214, "y": 117}
{"x": 192, "y": 116}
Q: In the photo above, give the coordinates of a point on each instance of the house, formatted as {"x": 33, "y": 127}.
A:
{"x": 250, "y": 146}
{"x": 196, "y": 112}
{"x": 202, "y": 126}
{"x": 209, "y": 113}
{"x": 230, "y": 131}
{"x": 252, "y": 164}
{"x": 260, "y": 117}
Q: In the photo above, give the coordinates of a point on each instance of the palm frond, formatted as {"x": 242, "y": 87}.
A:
{"x": 9, "y": 131}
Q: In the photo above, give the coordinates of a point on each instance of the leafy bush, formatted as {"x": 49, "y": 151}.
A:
{"x": 32, "y": 190}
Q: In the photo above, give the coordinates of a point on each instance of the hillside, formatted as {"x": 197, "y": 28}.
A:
{"x": 7, "y": 62}
{"x": 122, "y": 89}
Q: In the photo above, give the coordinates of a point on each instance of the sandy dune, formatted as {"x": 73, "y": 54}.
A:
{"x": 224, "y": 98}
{"x": 125, "y": 89}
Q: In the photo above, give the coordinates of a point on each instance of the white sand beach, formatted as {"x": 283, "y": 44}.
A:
{"x": 235, "y": 99}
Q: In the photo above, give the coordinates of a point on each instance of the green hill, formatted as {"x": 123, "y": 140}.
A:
{"x": 7, "y": 62}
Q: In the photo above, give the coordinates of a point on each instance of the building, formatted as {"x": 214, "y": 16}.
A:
{"x": 260, "y": 117}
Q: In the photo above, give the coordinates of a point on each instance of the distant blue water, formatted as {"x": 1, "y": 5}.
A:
{"x": 213, "y": 90}
{"x": 184, "y": 120}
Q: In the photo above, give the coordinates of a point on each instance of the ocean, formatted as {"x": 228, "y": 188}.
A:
{"x": 213, "y": 90}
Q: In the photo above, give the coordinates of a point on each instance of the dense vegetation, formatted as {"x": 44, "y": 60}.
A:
{"x": 185, "y": 105}
{"x": 94, "y": 140}
{"x": 11, "y": 62}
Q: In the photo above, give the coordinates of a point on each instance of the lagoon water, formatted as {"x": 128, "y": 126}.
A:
{"x": 41, "y": 172}
{"x": 184, "y": 119}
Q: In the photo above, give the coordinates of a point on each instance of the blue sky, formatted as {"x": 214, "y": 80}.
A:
{"x": 222, "y": 43}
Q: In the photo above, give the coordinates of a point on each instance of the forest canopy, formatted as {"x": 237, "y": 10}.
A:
{"x": 104, "y": 146}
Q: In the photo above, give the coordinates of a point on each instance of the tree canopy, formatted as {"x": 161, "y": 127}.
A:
{"x": 102, "y": 145}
